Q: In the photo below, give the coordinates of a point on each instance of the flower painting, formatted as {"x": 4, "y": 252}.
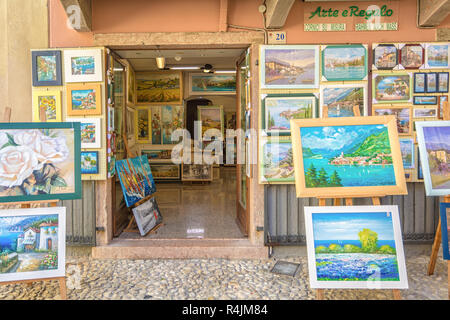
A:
{"x": 403, "y": 117}
{"x": 159, "y": 87}
{"x": 142, "y": 125}
{"x": 341, "y": 63}
{"x": 89, "y": 162}
{"x": 39, "y": 161}
{"x": 33, "y": 243}
{"x": 341, "y": 100}
{"x": 407, "y": 150}
{"x": 277, "y": 162}
{"x": 412, "y": 56}
{"x": 385, "y": 56}
{"x": 388, "y": 88}
{"x": 84, "y": 100}
{"x": 437, "y": 55}
{"x": 355, "y": 247}
{"x": 46, "y": 68}
{"x": 47, "y": 106}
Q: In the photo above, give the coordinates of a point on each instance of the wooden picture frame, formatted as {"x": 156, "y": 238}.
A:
{"x": 47, "y": 106}
{"x": 89, "y": 127}
{"x": 212, "y": 84}
{"x": 151, "y": 88}
{"x": 88, "y": 96}
{"x": 401, "y": 130}
{"x": 201, "y": 110}
{"x": 385, "y": 126}
{"x": 83, "y": 65}
{"x": 50, "y": 61}
{"x": 327, "y": 89}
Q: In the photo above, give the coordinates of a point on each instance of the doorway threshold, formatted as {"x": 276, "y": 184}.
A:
{"x": 180, "y": 249}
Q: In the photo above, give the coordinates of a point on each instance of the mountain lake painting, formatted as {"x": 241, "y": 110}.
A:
{"x": 437, "y": 55}
{"x": 340, "y": 63}
{"x": 358, "y": 247}
{"x": 278, "y": 163}
{"x": 391, "y": 88}
{"x": 340, "y": 100}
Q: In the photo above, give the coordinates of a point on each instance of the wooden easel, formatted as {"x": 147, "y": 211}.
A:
{"x": 132, "y": 225}
{"x": 320, "y": 294}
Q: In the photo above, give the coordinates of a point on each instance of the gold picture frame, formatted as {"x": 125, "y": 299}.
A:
{"x": 47, "y": 106}
{"x": 151, "y": 94}
{"x": 87, "y": 98}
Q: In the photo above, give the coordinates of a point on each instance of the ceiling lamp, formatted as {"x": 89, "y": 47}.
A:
{"x": 160, "y": 62}
{"x": 207, "y": 68}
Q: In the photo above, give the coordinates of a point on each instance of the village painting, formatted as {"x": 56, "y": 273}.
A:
{"x": 403, "y": 116}
{"x": 340, "y": 100}
{"x": 84, "y": 99}
{"x": 278, "y": 162}
{"x": 392, "y": 88}
{"x": 412, "y": 56}
{"x": 83, "y": 65}
{"x": 385, "y": 56}
{"x": 46, "y": 68}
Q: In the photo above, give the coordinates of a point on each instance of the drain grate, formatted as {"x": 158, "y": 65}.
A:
{"x": 285, "y": 268}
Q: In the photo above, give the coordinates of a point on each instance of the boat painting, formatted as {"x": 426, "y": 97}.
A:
{"x": 344, "y": 63}
{"x": 340, "y": 100}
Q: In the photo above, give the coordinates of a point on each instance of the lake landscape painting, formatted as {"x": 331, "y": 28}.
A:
{"x": 344, "y": 63}
{"x": 355, "y": 247}
{"x": 407, "y": 150}
{"x": 201, "y": 84}
{"x": 277, "y": 162}
{"x": 391, "y": 88}
{"x": 340, "y": 100}
{"x": 437, "y": 55}
{"x": 403, "y": 116}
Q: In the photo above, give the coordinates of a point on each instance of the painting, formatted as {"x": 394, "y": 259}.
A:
{"x": 412, "y": 56}
{"x": 142, "y": 124}
{"x": 442, "y": 82}
{"x": 419, "y": 167}
{"x": 85, "y": 99}
{"x": 425, "y": 100}
{"x": 433, "y": 138}
{"x": 131, "y": 85}
{"x": 164, "y": 121}
{"x": 425, "y": 113}
{"x": 39, "y": 161}
{"x": 445, "y": 228}
{"x": 342, "y": 100}
{"x": 215, "y": 84}
{"x": 436, "y": 55}
{"x": 332, "y": 154}
{"x": 91, "y": 134}
{"x": 212, "y": 124}
{"x": 442, "y": 99}
{"x": 89, "y": 162}
{"x": 131, "y": 114}
{"x": 33, "y": 243}
{"x": 147, "y": 216}
{"x": 289, "y": 67}
{"x": 432, "y": 82}
{"x": 403, "y": 116}
{"x": 196, "y": 172}
{"x": 385, "y": 56}
{"x": 278, "y": 109}
{"x": 83, "y": 65}
{"x": 230, "y": 120}
{"x": 344, "y": 62}
{"x": 46, "y": 68}
{"x": 355, "y": 247}
{"x": 165, "y": 171}
{"x": 162, "y": 87}
{"x": 277, "y": 164}
{"x": 47, "y": 106}
{"x": 420, "y": 84}
{"x": 390, "y": 88}
{"x": 161, "y": 155}
{"x": 135, "y": 178}
{"x": 407, "y": 150}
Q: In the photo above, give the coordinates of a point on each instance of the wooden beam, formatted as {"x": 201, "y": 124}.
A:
{"x": 223, "y": 16}
{"x": 80, "y": 14}
{"x": 433, "y": 12}
{"x": 277, "y": 12}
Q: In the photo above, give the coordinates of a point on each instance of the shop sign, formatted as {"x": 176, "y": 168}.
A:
{"x": 351, "y": 16}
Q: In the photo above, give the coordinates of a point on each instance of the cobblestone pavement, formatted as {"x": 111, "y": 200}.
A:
{"x": 211, "y": 279}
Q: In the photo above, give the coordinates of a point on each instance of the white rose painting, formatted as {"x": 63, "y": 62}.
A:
{"x": 39, "y": 163}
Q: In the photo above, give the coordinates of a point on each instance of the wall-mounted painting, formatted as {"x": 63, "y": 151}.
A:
{"x": 440, "y": 105}
{"x": 436, "y": 55}
{"x": 91, "y": 134}
{"x": 196, "y": 172}
{"x": 355, "y": 247}
{"x": 147, "y": 216}
{"x": 277, "y": 163}
{"x": 83, "y": 65}
{"x": 135, "y": 178}
{"x": 445, "y": 228}
{"x": 47, "y": 106}
{"x": 407, "y": 150}
{"x": 212, "y": 84}
{"x": 131, "y": 85}
{"x": 425, "y": 113}
{"x": 39, "y": 161}
{"x": 425, "y": 100}
{"x": 212, "y": 124}
{"x": 403, "y": 115}
{"x": 344, "y": 62}
{"x": 46, "y": 68}
{"x": 341, "y": 100}
{"x": 442, "y": 82}
{"x": 419, "y": 166}
{"x": 433, "y": 138}
{"x": 33, "y": 243}
{"x": 432, "y": 82}
{"x": 420, "y": 83}
{"x": 412, "y": 56}
{"x": 332, "y": 154}
{"x": 142, "y": 130}
{"x": 390, "y": 88}
{"x": 130, "y": 128}
{"x": 289, "y": 67}
{"x": 164, "y": 121}
{"x": 85, "y": 99}
{"x": 278, "y": 109}
{"x": 89, "y": 162}
{"x": 385, "y": 56}
{"x": 165, "y": 171}
{"x": 162, "y": 87}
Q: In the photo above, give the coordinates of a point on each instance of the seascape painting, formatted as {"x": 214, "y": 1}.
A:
{"x": 385, "y": 56}
{"x": 402, "y": 114}
{"x": 425, "y": 113}
{"x": 445, "y": 228}
{"x": 391, "y": 88}
{"x": 289, "y": 66}
{"x": 46, "y": 68}
{"x": 277, "y": 162}
{"x": 344, "y": 63}
{"x": 201, "y": 84}
{"x": 412, "y": 56}
{"x": 147, "y": 216}
{"x": 83, "y": 65}
{"x": 84, "y": 100}
{"x": 159, "y": 87}
{"x": 356, "y": 247}
{"x": 340, "y": 100}
{"x": 437, "y": 55}
{"x": 407, "y": 150}
{"x": 425, "y": 100}
{"x": 89, "y": 162}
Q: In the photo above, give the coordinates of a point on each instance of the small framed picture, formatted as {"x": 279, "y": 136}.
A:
{"x": 441, "y": 101}
{"x": 425, "y": 100}
{"x": 420, "y": 82}
{"x": 83, "y": 65}
{"x": 442, "y": 82}
{"x": 84, "y": 99}
{"x": 432, "y": 82}
{"x": 425, "y": 113}
{"x": 89, "y": 162}
{"x": 412, "y": 56}
{"x": 385, "y": 56}
{"x": 46, "y": 68}
{"x": 47, "y": 106}
{"x": 91, "y": 136}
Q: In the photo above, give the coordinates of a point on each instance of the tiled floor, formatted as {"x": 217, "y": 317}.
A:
{"x": 197, "y": 211}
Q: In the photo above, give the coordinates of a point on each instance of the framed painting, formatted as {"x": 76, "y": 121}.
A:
{"x": 412, "y": 56}
{"x": 212, "y": 124}
{"x": 440, "y": 105}
{"x": 403, "y": 115}
{"x": 39, "y": 161}
{"x": 131, "y": 114}
{"x": 135, "y": 178}
{"x": 46, "y": 68}
{"x": 196, "y": 172}
{"x": 277, "y": 164}
{"x": 142, "y": 130}
{"x": 84, "y": 99}
{"x": 407, "y": 150}
{"x": 436, "y": 55}
{"x": 431, "y": 82}
{"x": 445, "y": 228}
{"x": 385, "y": 56}
{"x": 433, "y": 138}
{"x": 419, "y": 166}
{"x": 83, "y": 65}
{"x": 212, "y": 84}
{"x": 391, "y": 88}
{"x": 425, "y": 113}
{"x": 33, "y": 243}
{"x": 278, "y": 109}
{"x": 331, "y": 154}
{"x": 89, "y": 162}
{"x": 165, "y": 171}
{"x": 172, "y": 118}
{"x": 355, "y": 247}
{"x": 230, "y": 120}
{"x": 425, "y": 100}
{"x": 342, "y": 100}
{"x": 159, "y": 87}
{"x": 344, "y": 62}
{"x": 91, "y": 133}
{"x": 289, "y": 66}
{"x": 131, "y": 85}
{"x": 420, "y": 83}
{"x": 147, "y": 216}
{"x": 158, "y": 155}
{"x": 442, "y": 82}
{"x": 47, "y": 106}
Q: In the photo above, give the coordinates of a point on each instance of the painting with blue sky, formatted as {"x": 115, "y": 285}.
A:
{"x": 340, "y": 63}
{"x": 340, "y": 100}
{"x": 277, "y": 161}
{"x": 407, "y": 149}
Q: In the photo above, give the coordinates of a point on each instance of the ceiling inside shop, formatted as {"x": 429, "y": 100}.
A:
{"x": 144, "y": 60}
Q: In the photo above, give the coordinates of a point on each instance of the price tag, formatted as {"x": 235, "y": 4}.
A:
{"x": 277, "y": 37}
